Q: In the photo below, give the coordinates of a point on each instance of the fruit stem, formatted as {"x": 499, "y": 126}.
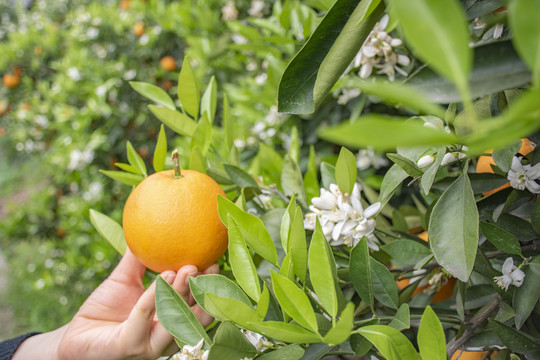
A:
{"x": 176, "y": 164}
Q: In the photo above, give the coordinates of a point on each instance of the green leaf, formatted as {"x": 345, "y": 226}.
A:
{"x": 297, "y": 244}
{"x": 346, "y": 171}
{"x": 285, "y": 332}
{"x": 402, "y": 320}
{"x": 384, "y": 287}
{"x": 109, "y": 229}
{"x": 503, "y": 157}
{"x": 289, "y": 352}
{"x": 188, "y": 93}
{"x": 526, "y": 33}
{"x": 497, "y": 67}
{"x": 242, "y": 265}
{"x": 393, "y": 178}
{"x": 291, "y": 180}
{"x": 407, "y": 165}
{"x": 535, "y": 217}
{"x": 453, "y": 229}
{"x": 154, "y": 93}
{"x": 228, "y": 124}
{"x": 252, "y": 228}
{"x": 322, "y": 271}
{"x": 135, "y": 159}
{"x": 218, "y": 285}
{"x": 123, "y": 177}
{"x": 230, "y": 344}
{"x": 271, "y": 164}
{"x": 441, "y": 39}
{"x": 239, "y": 176}
{"x": 385, "y": 133}
{"x": 127, "y": 167}
{"x": 294, "y": 146}
{"x": 209, "y": 100}
{"x": 294, "y": 301}
{"x": 264, "y": 302}
{"x": 513, "y": 339}
{"x": 160, "y": 153}
{"x": 405, "y": 252}
{"x": 526, "y": 296}
{"x": 178, "y": 122}
{"x": 286, "y": 224}
{"x": 500, "y": 238}
{"x": 177, "y": 317}
{"x": 399, "y": 95}
{"x": 202, "y": 136}
{"x": 390, "y": 342}
{"x": 342, "y": 330}
{"x": 429, "y": 175}
{"x": 197, "y": 160}
{"x": 431, "y": 340}
{"x": 324, "y": 57}
{"x": 311, "y": 183}
{"x": 327, "y": 174}
{"x": 360, "y": 271}
{"x": 231, "y": 309}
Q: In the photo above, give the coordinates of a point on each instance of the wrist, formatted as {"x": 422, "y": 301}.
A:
{"x": 42, "y": 346}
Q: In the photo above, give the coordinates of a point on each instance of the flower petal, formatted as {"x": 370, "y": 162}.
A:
{"x": 508, "y": 266}
{"x": 372, "y": 210}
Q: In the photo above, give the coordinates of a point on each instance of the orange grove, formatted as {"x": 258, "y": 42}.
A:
{"x": 170, "y": 222}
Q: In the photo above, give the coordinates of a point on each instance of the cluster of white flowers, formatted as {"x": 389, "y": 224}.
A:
{"x": 342, "y": 217}
{"x": 523, "y": 177}
{"x": 448, "y": 158}
{"x": 378, "y": 52}
{"x": 511, "y": 275}
{"x": 189, "y": 352}
{"x": 229, "y": 11}
{"x": 366, "y": 158}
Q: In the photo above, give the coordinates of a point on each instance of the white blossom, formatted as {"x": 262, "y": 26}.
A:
{"x": 342, "y": 217}
{"x": 377, "y": 52}
{"x": 74, "y": 74}
{"x": 257, "y": 340}
{"x": 78, "y": 159}
{"x": 257, "y": 8}
{"x": 450, "y": 157}
{"x": 511, "y": 275}
{"x": 346, "y": 95}
{"x": 425, "y": 161}
{"x": 367, "y": 158}
{"x": 523, "y": 177}
{"x": 189, "y": 352}
{"x": 229, "y": 11}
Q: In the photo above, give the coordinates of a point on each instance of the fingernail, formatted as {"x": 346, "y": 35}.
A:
{"x": 170, "y": 278}
{"x": 192, "y": 274}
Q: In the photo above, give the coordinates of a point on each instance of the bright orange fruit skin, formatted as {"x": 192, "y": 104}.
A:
{"x": 171, "y": 222}
{"x": 168, "y": 63}
{"x": 472, "y": 355}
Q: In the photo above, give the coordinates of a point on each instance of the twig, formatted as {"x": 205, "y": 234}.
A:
{"x": 477, "y": 319}
{"x": 535, "y": 246}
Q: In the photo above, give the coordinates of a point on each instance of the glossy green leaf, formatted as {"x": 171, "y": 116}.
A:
{"x": 123, "y": 177}
{"x": 264, "y": 302}
{"x": 399, "y": 95}
{"x": 324, "y": 57}
{"x": 526, "y": 296}
{"x": 218, "y": 285}
{"x": 289, "y": 352}
{"x": 297, "y": 244}
{"x": 322, "y": 271}
{"x": 109, "y": 229}
{"x": 535, "y": 217}
{"x": 127, "y": 167}
{"x": 429, "y": 175}
{"x": 230, "y": 344}
{"x": 286, "y": 268}
{"x": 231, "y": 309}
{"x": 242, "y": 265}
{"x": 202, "y": 136}
{"x": 500, "y": 238}
{"x": 360, "y": 270}
{"x": 188, "y": 92}
{"x": 384, "y": 287}
{"x": 252, "y": 228}
{"x": 346, "y": 170}
{"x": 154, "y": 93}
{"x": 135, "y": 159}
{"x": 385, "y": 133}
{"x": 405, "y": 253}
{"x": 515, "y": 340}
{"x": 228, "y": 124}
{"x": 321, "y": 4}
{"x": 175, "y": 120}
{"x": 160, "y": 153}
{"x": 342, "y": 330}
{"x": 393, "y": 178}
{"x": 407, "y": 165}
{"x": 327, "y": 174}
{"x": 197, "y": 160}
{"x": 294, "y": 301}
{"x": 209, "y": 100}
{"x": 402, "y": 320}
{"x": 239, "y": 176}
{"x": 453, "y": 229}
{"x": 503, "y": 157}
{"x": 285, "y": 332}
{"x": 286, "y": 224}
{"x": 526, "y": 33}
{"x": 390, "y": 342}
{"x": 271, "y": 164}
{"x": 291, "y": 180}
{"x": 441, "y": 39}
{"x": 311, "y": 182}
{"x": 177, "y": 317}
{"x": 431, "y": 339}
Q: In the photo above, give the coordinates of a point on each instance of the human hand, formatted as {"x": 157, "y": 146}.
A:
{"x": 118, "y": 319}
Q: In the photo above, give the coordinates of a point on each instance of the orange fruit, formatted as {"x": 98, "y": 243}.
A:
{"x": 138, "y": 28}
{"x": 472, "y": 355}
{"x": 484, "y": 163}
{"x": 10, "y": 80}
{"x": 168, "y": 63}
{"x": 170, "y": 222}
{"x": 125, "y": 4}
{"x": 2, "y": 131}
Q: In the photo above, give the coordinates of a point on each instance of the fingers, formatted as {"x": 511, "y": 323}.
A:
{"x": 212, "y": 269}
{"x": 129, "y": 269}
{"x": 181, "y": 283}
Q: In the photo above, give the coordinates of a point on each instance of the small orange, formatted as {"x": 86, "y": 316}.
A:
{"x": 166, "y": 85}
{"x": 472, "y": 355}
{"x": 38, "y": 50}
{"x": 173, "y": 221}
{"x": 138, "y": 28}
{"x": 3, "y": 131}
{"x": 10, "y": 81}
{"x": 168, "y": 63}
{"x": 125, "y": 4}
